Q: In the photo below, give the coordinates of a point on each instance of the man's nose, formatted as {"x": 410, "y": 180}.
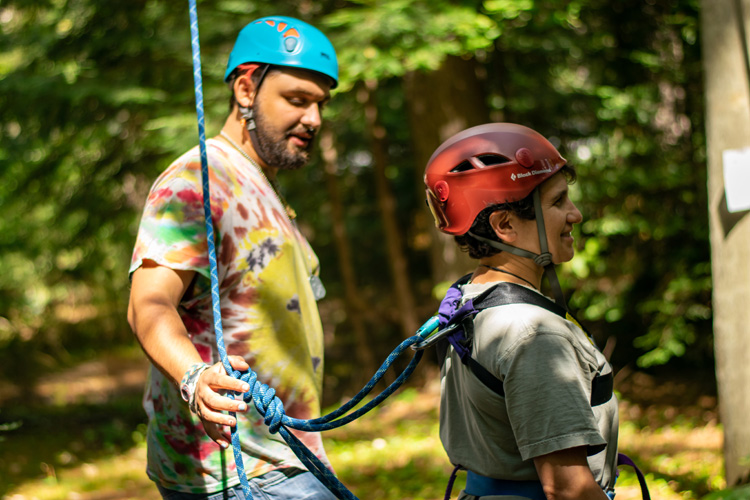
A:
{"x": 312, "y": 118}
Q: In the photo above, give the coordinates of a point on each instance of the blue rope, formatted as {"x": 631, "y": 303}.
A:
{"x": 261, "y": 395}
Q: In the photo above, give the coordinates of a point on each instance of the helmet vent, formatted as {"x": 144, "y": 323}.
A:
{"x": 491, "y": 159}
{"x": 463, "y": 167}
{"x": 290, "y": 44}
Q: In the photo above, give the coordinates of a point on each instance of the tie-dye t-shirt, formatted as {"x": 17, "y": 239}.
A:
{"x": 269, "y": 315}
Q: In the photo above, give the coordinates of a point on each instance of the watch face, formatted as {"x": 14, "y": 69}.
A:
{"x": 185, "y": 392}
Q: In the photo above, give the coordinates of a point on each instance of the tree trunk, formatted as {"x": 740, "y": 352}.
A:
{"x": 440, "y": 104}
{"x": 728, "y": 127}
{"x": 387, "y": 203}
{"x": 355, "y": 306}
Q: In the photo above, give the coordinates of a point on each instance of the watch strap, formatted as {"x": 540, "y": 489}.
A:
{"x": 188, "y": 383}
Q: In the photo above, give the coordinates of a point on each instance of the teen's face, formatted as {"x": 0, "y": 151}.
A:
{"x": 288, "y": 115}
{"x": 560, "y": 214}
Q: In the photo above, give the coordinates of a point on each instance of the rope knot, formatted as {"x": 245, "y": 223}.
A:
{"x": 270, "y": 407}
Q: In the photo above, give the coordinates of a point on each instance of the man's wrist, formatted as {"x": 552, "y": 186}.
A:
{"x": 189, "y": 382}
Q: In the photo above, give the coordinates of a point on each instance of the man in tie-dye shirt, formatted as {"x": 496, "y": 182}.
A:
{"x": 280, "y": 73}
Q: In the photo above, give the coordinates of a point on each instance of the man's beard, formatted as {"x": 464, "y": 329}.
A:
{"x": 274, "y": 148}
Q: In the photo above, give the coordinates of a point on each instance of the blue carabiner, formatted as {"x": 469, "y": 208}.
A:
{"x": 430, "y": 334}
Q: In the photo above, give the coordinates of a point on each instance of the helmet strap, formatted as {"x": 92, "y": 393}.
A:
{"x": 546, "y": 257}
{"x": 543, "y": 259}
{"x": 507, "y": 248}
{"x": 248, "y": 121}
{"x": 262, "y": 77}
{"x": 248, "y": 116}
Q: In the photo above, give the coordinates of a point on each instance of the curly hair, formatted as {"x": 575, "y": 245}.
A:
{"x": 481, "y": 226}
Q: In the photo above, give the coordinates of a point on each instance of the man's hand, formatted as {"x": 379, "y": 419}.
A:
{"x": 210, "y": 402}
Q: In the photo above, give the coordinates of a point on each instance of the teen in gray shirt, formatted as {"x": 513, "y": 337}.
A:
{"x": 502, "y": 190}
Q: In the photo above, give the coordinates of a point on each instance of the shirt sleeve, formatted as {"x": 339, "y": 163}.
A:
{"x": 547, "y": 389}
{"x": 172, "y": 230}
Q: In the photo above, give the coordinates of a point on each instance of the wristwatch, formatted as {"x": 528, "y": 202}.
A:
{"x": 188, "y": 383}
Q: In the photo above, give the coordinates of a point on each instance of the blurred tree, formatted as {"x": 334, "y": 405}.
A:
{"x": 442, "y": 103}
{"x": 356, "y": 307}
{"x": 97, "y": 98}
{"x": 385, "y": 40}
{"x": 728, "y": 127}
{"x": 78, "y": 87}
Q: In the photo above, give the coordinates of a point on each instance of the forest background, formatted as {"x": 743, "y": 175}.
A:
{"x": 97, "y": 98}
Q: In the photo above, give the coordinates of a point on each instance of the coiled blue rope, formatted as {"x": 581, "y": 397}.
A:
{"x": 261, "y": 395}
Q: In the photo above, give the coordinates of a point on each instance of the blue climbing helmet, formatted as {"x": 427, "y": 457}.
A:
{"x": 284, "y": 41}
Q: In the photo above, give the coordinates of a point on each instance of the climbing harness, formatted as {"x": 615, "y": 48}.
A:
{"x": 456, "y": 329}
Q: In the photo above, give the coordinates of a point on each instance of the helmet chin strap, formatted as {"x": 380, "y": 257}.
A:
{"x": 248, "y": 117}
{"x": 543, "y": 259}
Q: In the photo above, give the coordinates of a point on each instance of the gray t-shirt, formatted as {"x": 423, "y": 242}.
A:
{"x": 547, "y": 365}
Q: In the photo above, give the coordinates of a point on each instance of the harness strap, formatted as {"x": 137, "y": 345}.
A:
{"x": 602, "y": 388}
{"x": 623, "y": 459}
{"x": 486, "y": 377}
{"x": 511, "y": 293}
{"x": 481, "y": 486}
{"x": 449, "y": 488}
{"x": 478, "y": 485}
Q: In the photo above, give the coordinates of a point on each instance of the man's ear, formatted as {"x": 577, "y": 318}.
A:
{"x": 503, "y": 224}
{"x": 244, "y": 90}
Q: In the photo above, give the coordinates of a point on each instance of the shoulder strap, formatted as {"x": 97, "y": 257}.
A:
{"x": 505, "y": 293}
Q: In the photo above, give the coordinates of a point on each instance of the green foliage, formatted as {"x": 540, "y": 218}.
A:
{"x": 688, "y": 452}
{"x": 69, "y": 164}
{"x": 381, "y": 40}
{"x": 676, "y": 315}
{"x": 741, "y": 493}
{"x": 97, "y": 98}
{"x": 92, "y": 433}
{"x": 615, "y": 90}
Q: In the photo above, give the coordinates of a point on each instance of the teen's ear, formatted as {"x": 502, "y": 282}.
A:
{"x": 244, "y": 90}
{"x": 504, "y": 223}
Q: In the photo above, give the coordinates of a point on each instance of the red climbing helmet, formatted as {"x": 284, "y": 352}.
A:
{"x": 484, "y": 165}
